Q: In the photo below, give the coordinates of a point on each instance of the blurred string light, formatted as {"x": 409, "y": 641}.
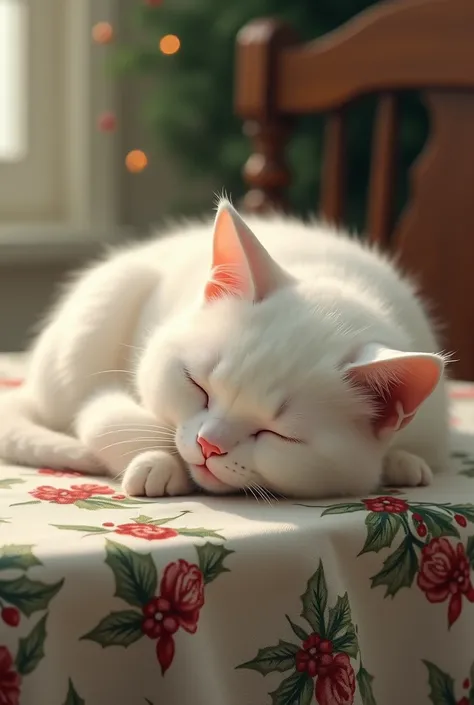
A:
{"x": 107, "y": 122}
{"x": 136, "y": 161}
{"x": 103, "y": 33}
{"x": 170, "y": 44}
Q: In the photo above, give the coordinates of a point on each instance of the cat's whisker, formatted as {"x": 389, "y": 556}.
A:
{"x": 159, "y": 434}
{"x": 167, "y": 449}
{"x": 133, "y": 347}
{"x": 106, "y": 372}
{"x": 261, "y": 492}
{"x": 142, "y": 425}
{"x": 129, "y": 440}
{"x": 252, "y": 491}
{"x": 269, "y": 493}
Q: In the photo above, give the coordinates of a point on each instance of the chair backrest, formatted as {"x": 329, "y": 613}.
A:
{"x": 423, "y": 45}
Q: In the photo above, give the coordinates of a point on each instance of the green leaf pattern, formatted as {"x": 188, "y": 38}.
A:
{"x": 333, "y": 623}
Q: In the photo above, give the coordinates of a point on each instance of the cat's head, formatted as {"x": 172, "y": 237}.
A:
{"x": 267, "y": 388}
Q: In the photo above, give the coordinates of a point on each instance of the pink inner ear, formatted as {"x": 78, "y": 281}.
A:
{"x": 230, "y": 273}
{"x": 241, "y": 266}
{"x": 398, "y": 387}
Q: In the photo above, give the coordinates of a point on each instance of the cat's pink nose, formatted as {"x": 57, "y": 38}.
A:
{"x": 209, "y": 449}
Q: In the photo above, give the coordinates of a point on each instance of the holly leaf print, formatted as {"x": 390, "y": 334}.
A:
{"x": 28, "y": 595}
{"x": 339, "y": 617}
{"x": 273, "y": 658}
{"x": 144, "y": 519}
{"x": 31, "y": 648}
{"x": 200, "y": 532}
{"x": 299, "y": 631}
{"x": 72, "y": 697}
{"x": 343, "y": 508}
{"x": 297, "y": 689}
{"x": 399, "y": 569}
{"x": 441, "y": 685}
{"x": 314, "y": 601}
{"x": 211, "y": 561}
{"x": 117, "y": 629}
{"x": 437, "y": 522}
{"x": 364, "y": 683}
{"x": 466, "y": 510}
{"x": 135, "y": 574}
{"x": 8, "y": 482}
{"x": 347, "y": 643}
{"x": 96, "y": 503}
{"x": 382, "y": 527}
{"x": 81, "y": 527}
{"x": 17, "y": 556}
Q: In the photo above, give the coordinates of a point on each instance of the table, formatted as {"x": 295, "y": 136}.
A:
{"x": 107, "y": 600}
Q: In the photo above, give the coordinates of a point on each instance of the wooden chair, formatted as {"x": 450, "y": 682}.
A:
{"x": 425, "y": 45}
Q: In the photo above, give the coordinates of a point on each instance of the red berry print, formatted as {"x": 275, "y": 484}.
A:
{"x": 11, "y": 616}
{"x": 421, "y": 530}
{"x": 466, "y": 683}
{"x": 459, "y": 519}
{"x": 108, "y": 524}
{"x": 417, "y": 517}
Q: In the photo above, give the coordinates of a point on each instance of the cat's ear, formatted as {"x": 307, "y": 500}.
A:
{"x": 241, "y": 266}
{"x": 396, "y": 382}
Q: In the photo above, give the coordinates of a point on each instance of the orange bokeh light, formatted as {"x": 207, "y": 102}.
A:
{"x": 102, "y": 32}
{"x": 169, "y": 44}
{"x": 136, "y": 161}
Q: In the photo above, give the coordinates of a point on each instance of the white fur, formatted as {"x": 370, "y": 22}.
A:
{"x": 106, "y": 391}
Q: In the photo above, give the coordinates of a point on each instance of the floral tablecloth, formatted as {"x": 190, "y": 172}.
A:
{"x": 107, "y": 600}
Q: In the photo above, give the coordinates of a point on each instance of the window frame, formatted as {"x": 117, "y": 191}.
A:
{"x": 79, "y": 87}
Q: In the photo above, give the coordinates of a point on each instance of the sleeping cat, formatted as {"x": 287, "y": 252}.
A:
{"x": 268, "y": 354}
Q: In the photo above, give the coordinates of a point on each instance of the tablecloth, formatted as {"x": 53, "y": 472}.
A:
{"x": 107, "y": 600}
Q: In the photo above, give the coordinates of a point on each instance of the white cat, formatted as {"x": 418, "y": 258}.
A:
{"x": 308, "y": 368}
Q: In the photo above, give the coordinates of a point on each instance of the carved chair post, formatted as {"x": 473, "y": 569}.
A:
{"x": 266, "y": 172}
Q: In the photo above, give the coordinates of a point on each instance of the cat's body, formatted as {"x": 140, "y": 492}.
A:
{"x": 290, "y": 350}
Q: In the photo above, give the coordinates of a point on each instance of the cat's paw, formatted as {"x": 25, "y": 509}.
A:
{"x": 402, "y": 469}
{"x": 156, "y": 474}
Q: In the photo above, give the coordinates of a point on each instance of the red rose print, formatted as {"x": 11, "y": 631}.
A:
{"x": 11, "y": 616}
{"x": 60, "y": 473}
{"x": 463, "y": 701}
{"x": 10, "y": 680}
{"x": 68, "y": 496}
{"x": 91, "y": 489}
{"x": 47, "y": 493}
{"x": 336, "y": 682}
{"x": 445, "y": 573}
{"x": 146, "y": 531}
{"x": 181, "y": 597}
{"x": 183, "y": 585}
{"x": 386, "y": 504}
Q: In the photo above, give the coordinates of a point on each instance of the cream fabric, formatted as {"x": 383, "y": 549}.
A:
{"x": 107, "y": 600}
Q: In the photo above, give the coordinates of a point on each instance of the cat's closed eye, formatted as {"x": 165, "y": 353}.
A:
{"x": 191, "y": 379}
{"x": 289, "y": 439}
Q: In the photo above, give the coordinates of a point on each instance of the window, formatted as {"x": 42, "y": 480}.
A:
{"x": 56, "y": 170}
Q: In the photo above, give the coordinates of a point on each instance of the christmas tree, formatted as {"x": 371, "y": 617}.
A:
{"x": 191, "y": 111}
